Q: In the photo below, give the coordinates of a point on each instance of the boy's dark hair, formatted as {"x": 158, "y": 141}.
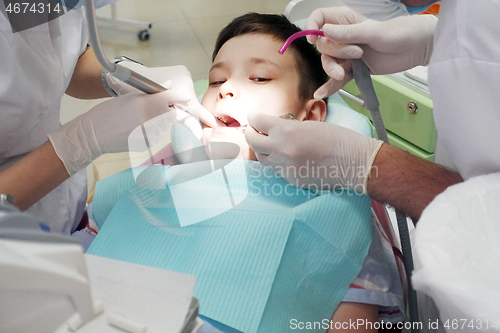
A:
{"x": 308, "y": 61}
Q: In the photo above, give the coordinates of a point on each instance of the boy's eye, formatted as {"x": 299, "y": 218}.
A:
{"x": 216, "y": 83}
{"x": 260, "y": 79}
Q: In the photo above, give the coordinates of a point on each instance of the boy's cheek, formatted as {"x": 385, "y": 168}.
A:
{"x": 275, "y": 103}
{"x": 207, "y": 101}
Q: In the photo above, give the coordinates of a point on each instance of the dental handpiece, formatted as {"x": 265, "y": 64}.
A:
{"x": 124, "y": 74}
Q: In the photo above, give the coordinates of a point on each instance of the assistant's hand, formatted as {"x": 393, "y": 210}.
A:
{"x": 312, "y": 154}
{"x": 107, "y": 127}
{"x": 385, "y": 47}
{"x": 176, "y": 78}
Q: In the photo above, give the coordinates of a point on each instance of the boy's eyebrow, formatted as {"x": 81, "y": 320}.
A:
{"x": 256, "y": 60}
{"x": 253, "y": 60}
{"x": 218, "y": 65}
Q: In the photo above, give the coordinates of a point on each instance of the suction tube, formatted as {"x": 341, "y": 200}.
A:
{"x": 365, "y": 86}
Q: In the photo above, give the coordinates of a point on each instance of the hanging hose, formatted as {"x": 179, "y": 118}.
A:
{"x": 404, "y": 234}
{"x": 365, "y": 86}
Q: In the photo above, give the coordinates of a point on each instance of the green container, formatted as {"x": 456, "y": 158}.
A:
{"x": 414, "y": 132}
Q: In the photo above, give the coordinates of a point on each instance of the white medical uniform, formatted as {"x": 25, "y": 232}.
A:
{"x": 464, "y": 80}
{"x": 36, "y": 66}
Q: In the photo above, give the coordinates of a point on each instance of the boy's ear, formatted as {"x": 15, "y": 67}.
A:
{"x": 314, "y": 110}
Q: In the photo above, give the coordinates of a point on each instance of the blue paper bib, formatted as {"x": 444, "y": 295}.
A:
{"x": 268, "y": 253}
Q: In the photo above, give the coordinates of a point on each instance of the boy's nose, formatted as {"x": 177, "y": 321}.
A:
{"x": 227, "y": 90}
{"x": 226, "y": 94}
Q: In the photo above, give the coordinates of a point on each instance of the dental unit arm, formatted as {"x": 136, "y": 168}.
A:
{"x": 124, "y": 74}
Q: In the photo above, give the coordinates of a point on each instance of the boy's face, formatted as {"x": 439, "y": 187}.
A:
{"x": 249, "y": 75}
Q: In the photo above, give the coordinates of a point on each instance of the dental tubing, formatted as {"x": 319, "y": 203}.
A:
{"x": 122, "y": 73}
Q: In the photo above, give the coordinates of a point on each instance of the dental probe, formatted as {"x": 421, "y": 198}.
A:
{"x": 365, "y": 85}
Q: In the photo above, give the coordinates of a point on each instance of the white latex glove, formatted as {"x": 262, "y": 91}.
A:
{"x": 312, "y": 154}
{"x": 177, "y": 78}
{"x": 385, "y": 47}
{"x": 106, "y": 127}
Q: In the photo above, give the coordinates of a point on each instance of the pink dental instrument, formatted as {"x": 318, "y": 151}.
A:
{"x": 297, "y": 35}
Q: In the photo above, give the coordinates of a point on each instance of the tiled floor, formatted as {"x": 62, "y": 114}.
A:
{"x": 184, "y": 32}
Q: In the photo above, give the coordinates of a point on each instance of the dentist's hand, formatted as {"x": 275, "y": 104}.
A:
{"x": 177, "y": 78}
{"x": 107, "y": 127}
{"x": 312, "y": 154}
{"x": 385, "y": 47}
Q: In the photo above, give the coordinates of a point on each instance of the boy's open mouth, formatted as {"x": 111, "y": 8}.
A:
{"x": 229, "y": 121}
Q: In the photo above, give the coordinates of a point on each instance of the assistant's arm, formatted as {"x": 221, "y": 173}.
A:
{"x": 86, "y": 80}
{"x": 73, "y": 146}
{"x": 34, "y": 176}
{"x": 407, "y": 182}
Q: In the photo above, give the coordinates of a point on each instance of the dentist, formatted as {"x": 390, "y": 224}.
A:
{"x": 42, "y": 165}
{"x": 461, "y": 50}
